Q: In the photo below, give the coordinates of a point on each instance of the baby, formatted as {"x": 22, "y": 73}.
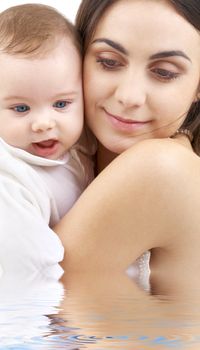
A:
{"x": 41, "y": 118}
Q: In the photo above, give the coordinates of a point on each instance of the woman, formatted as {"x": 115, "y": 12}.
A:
{"x": 141, "y": 83}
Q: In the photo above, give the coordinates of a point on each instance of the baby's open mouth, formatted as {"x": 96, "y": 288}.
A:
{"x": 47, "y": 143}
{"x": 45, "y": 148}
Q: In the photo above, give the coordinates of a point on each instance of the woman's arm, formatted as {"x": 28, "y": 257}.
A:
{"x": 135, "y": 204}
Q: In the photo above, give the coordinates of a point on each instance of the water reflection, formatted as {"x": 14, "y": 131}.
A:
{"x": 24, "y": 309}
{"x": 111, "y": 312}
{"x": 95, "y": 312}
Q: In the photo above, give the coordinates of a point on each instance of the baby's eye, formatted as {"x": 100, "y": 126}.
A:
{"x": 61, "y": 104}
{"x": 21, "y": 108}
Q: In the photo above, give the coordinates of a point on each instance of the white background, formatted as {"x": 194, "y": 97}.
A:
{"x": 67, "y": 7}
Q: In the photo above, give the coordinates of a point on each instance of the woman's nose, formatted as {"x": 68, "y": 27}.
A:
{"x": 131, "y": 90}
{"x": 43, "y": 124}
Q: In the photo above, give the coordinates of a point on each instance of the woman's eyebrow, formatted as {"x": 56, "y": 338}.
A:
{"x": 111, "y": 43}
{"x": 170, "y": 54}
{"x": 121, "y": 49}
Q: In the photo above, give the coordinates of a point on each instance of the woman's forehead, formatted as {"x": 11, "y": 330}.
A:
{"x": 153, "y": 20}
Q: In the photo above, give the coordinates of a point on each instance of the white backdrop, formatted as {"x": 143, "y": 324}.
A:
{"x": 67, "y": 7}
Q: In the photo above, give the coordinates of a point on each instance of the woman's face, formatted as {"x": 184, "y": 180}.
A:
{"x": 141, "y": 73}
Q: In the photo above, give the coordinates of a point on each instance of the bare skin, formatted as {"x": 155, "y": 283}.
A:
{"x": 150, "y": 210}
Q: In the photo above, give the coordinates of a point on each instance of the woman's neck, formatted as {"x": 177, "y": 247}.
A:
{"x": 104, "y": 157}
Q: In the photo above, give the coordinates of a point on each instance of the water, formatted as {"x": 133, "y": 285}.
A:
{"x": 94, "y": 312}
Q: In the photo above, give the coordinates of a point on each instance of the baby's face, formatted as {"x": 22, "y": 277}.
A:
{"x": 41, "y": 102}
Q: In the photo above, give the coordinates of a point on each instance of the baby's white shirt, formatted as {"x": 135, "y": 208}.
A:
{"x": 34, "y": 194}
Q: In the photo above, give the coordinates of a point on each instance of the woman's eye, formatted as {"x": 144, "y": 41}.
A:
{"x": 21, "y": 108}
{"x": 164, "y": 74}
{"x": 61, "y": 104}
{"x": 108, "y": 63}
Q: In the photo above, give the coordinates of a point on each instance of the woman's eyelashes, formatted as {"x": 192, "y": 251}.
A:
{"x": 164, "y": 74}
{"x": 109, "y": 63}
{"x": 165, "y": 71}
{"x": 160, "y": 73}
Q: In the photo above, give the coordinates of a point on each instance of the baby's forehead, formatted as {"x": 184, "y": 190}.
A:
{"x": 41, "y": 50}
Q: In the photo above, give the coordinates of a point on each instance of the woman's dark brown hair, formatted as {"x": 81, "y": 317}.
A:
{"x": 90, "y": 13}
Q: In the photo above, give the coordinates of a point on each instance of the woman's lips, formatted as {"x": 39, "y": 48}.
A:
{"x": 125, "y": 124}
{"x": 45, "y": 148}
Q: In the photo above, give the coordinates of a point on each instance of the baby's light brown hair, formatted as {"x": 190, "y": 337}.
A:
{"x": 33, "y": 30}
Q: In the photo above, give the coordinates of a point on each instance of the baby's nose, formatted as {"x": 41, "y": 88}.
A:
{"x": 43, "y": 125}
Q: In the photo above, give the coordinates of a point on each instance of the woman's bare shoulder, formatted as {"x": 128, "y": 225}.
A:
{"x": 136, "y": 203}
{"x": 162, "y": 157}
{"x": 164, "y": 171}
